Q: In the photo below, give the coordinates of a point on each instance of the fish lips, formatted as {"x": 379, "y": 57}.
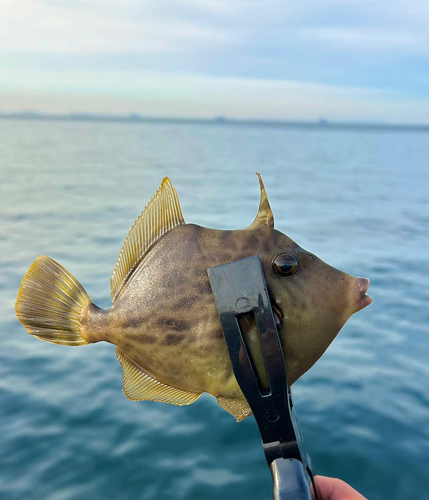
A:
{"x": 361, "y": 297}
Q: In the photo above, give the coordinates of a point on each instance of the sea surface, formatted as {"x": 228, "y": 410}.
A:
{"x": 359, "y": 199}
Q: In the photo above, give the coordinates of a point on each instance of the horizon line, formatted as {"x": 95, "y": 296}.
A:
{"x": 217, "y": 120}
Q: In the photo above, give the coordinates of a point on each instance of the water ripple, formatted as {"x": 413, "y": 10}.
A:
{"x": 358, "y": 200}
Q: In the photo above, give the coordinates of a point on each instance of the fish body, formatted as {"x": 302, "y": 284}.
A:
{"x": 164, "y": 320}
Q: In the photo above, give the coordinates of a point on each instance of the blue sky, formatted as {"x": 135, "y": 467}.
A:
{"x": 354, "y": 60}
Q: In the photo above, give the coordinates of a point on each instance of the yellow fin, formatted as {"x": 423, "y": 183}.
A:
{"x": 238, "y": 408}
{"x": 139, "y": 386}
{"x": 265, "y": 215}
{"x": 160, "y": 216}
{"x": 50, "y": 303}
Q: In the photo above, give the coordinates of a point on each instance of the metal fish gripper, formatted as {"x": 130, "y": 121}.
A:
{"x": 240, "y": 288}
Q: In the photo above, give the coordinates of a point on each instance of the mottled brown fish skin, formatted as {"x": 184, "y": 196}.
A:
{"x": 166, "y": 320}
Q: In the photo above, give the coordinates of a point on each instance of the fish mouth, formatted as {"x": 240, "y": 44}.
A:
{"x": 362, "y": 298}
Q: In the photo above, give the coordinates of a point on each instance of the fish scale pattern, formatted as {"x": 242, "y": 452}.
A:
{"x": 160, "y": 216}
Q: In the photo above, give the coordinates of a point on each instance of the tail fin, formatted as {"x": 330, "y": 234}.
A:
{"x": 50, "y": 302}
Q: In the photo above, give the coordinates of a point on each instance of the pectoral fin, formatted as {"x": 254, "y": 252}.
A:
{"x": 238, "y": 408}
{"x": 139, "y": 386}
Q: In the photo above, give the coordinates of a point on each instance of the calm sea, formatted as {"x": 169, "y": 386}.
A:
{"x": 358, "y": 199}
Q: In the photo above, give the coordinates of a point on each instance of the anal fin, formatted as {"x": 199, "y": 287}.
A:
{"x": 139, "y": 385}
{"x": 238, "y": 408}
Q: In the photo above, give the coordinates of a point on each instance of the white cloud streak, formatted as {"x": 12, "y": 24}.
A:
{"x": 100, "y": 27}
{"x": 367, "y": 38}
{"x": 112, "y": 26}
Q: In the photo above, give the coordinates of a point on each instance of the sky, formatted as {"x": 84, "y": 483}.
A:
{"x": 342, "y": 60}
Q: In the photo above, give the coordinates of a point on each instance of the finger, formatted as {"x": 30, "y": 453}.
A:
{"x": 330, "y": 488}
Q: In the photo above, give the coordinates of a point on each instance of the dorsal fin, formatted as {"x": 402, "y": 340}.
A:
{"x": 160, "y": 216}
{"x": 265, "y": 215}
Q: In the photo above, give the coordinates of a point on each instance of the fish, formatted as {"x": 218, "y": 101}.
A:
{"x": 163, "y": 319}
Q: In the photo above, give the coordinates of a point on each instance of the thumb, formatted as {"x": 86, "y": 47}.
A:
{"x": 330, "y": 488}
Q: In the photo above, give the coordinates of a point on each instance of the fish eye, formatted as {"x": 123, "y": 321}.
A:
{"x": 285, "y": 264}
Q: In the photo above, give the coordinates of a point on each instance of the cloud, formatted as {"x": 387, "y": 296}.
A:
{"x": 83, "y": 26}
{"x": 367, "y": 38}
{"x": 234, "y": 57}
{"x": 101, "y": 27}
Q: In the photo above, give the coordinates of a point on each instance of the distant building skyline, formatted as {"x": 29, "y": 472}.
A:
{"x": 215, "y": 120}
{"x": 341, "y": 61}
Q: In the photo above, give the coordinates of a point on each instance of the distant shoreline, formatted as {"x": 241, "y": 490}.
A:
{"x": 136, "y": 118}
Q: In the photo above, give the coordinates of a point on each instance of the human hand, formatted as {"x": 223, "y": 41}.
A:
{"x": 330, "y": 488}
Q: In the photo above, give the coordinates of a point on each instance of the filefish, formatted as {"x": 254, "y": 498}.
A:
{"x": 164, "y": 320}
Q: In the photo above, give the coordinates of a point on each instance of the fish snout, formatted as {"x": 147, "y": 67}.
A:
{"x": 362, "y": 299}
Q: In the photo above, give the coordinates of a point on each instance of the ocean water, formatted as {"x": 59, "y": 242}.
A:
{"x": 358, "y": 199}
